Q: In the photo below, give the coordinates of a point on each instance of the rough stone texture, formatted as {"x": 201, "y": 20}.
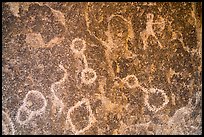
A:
{"x": 101, "y": 68}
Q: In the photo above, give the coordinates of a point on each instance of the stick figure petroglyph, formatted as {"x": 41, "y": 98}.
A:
{"x": 149, "y": 31}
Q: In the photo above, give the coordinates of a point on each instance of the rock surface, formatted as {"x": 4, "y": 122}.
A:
{"x": 101, "y": 68}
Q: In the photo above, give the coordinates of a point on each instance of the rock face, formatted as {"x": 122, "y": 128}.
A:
{"x": 101, "y": 68}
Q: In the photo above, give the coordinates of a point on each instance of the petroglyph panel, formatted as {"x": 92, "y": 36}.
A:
{"x": 101, "y": 68}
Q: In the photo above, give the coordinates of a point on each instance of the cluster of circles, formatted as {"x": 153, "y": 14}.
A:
{"x": 131, "y": 81}
{"x": 28, "y": 107}
{"x": 88, "y": 75}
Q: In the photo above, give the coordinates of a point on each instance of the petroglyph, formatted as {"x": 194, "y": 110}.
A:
{"x": 35, "y": 101}
{"x": 34, "y": 104}
{"x": 145, "y": 34}
{"x": 57, "y": 102}
{"x": 153, "y": 107}
{"x": 78, "y": 46}
{"x": 131, "y": 81}
{"x": 24, "y": 115}
{"x": 7, "y": 124}
{"x": 88, "y": 76}
{"x": 35, "y": 40}
{"x": 122, "y": 68}
{"x": 91, "y": 118}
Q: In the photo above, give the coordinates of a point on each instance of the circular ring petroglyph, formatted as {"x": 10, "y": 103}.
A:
{"x": 131, "y": 81}
{"x": 23, "y": 111}
{"x": 78, "y": 46}
{"x": 88, "y": 76}
{"x": 39, "y": 98}
{"x": 152, "y": 107}
{"x": 29, "y": 107}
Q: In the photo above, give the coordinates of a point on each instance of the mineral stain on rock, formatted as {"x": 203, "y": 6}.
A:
{"x": 101, "y": 68}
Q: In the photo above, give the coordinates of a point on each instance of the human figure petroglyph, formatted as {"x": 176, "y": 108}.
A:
{"x": 176, "y": 35}
{"x": 149, "y": 31}
{"x": 118, "y": 38}
{"x": 116, "y": 44}
{"x": 109, "y": 44}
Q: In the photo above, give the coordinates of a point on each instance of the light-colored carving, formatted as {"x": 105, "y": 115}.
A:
{"x": 127, "y": 80}
{"x": 149, "y": 31}
{"x": 91, "y": 116}
{"x": 170, "y": 74}
{"x": 78, "y": 46}
{"x": 173, "y": 98}
{"x": 38, "y": 95}
{"x": 59, "y": 16}
{"x": 7, "y": 124}
{"x": 155, "y": 91}
{"x": 35, "y": 40}
{"x": 27, "y": 105}
{"x": 59, "y": 105}
{"x": 24, "y": 111}
{"x": 88, "y": 76}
